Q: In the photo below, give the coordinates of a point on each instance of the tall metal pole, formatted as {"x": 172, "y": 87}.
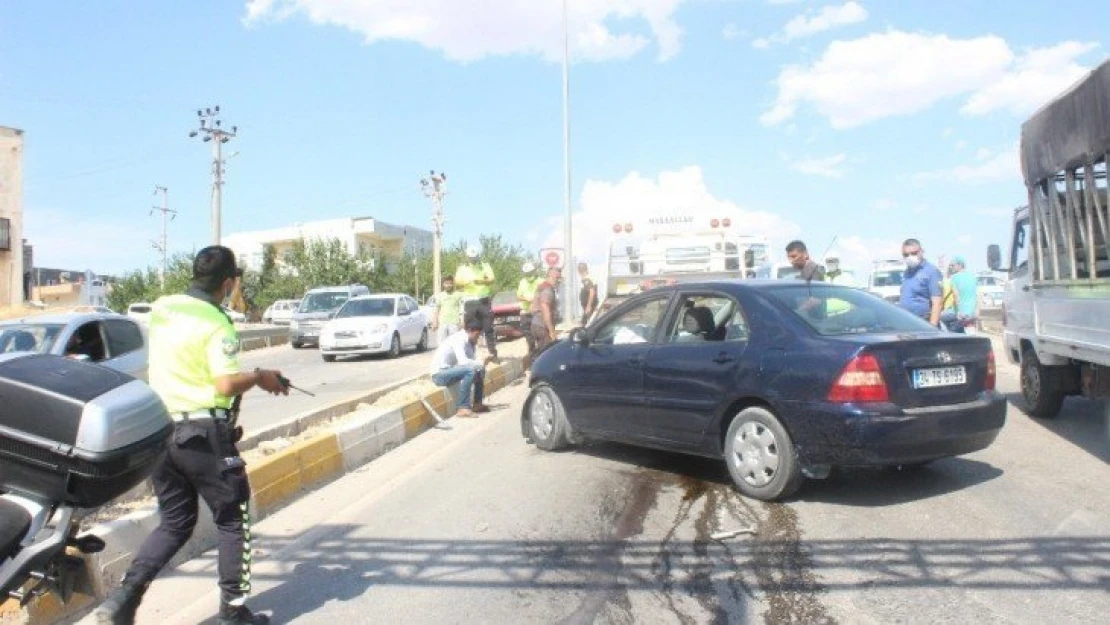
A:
{"x": 212, "y": 129}
{"x": 434, "y": 188}
{"x": 568, "y": 304}
{"x": 163, "y": 244}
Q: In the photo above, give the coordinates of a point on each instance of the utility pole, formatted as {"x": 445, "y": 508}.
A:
{"x": 162, "y": 245}
{"x": 212, "y": 129}
{"x": 434, "y": 187}
{"x": 568, "y": 303}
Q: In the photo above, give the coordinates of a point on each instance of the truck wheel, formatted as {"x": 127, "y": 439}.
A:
{"x": 1041, "y": 387}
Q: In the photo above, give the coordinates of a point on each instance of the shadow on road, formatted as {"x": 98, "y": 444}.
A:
{"x": 343, "y": 566}
{"x": 865, "y": 487}
{"x": 1081, "y": 421}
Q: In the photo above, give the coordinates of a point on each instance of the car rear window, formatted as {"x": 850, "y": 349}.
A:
{"x": 837, "y": 311}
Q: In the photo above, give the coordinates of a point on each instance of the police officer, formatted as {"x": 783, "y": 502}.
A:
{"x": 476, "y": 279}
{"x": 194, "y": 368}
{"x": 525, "y": 292}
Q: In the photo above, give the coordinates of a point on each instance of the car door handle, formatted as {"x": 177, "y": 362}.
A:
{"x": 722, "y": 358}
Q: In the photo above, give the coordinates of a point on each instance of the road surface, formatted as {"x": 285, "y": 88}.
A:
{"x": 472, "y": 525}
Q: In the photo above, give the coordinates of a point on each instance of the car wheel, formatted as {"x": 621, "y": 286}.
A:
{"x": 547, "y": 419}
{"x": 423, "y": 344}
{"x": 1041, "y": 387}
{"x": 761, "y": 457}
{"x": 395, "y": 346}
{"x": 329, "y": 357}
{"x": 296, "y": 344}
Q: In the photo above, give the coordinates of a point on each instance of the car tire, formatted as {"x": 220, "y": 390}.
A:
{"x": 395, "y": 346}
{"x": 1041, "y": 387}
{"x": 423, "y": 344}
{"x": 547, "y": 419}
{"x": 760, "y": 456}
{"x": 328, "y": 357}
{"x": 296, "y": 344}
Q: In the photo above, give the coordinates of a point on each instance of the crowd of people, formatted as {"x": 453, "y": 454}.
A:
{"x": 947, "y": 300}
{"x": 464, "y": 314}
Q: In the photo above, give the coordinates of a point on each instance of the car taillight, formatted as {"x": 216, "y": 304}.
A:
{"x": 991, "y": 371}
{"x": 860, "y": 381}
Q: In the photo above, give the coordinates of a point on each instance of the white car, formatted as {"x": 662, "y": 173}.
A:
{"x": 139, "y": 311}
{"x": 281, "y": 311}
{"x": 112, "y": 340}
{"x": 990, "y": 291}
{"x": 234, "y": 315}
{"x": 375, "y": 324}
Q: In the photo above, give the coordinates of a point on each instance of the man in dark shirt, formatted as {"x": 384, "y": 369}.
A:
{"x": 798, "y": 256}
{"x": 921, "y": 284}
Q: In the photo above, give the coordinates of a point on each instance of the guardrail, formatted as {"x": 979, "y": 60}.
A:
{"x": 257, "y": 336}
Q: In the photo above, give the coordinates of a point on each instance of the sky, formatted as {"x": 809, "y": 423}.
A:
{"x": 864, "y": 121}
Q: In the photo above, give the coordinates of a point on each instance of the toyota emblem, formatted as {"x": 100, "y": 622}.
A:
{"x": 944, "y": 357}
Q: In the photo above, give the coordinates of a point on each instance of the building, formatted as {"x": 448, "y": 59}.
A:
{"x": 12, "y": 279}
{"x": 58, "y": 288}
{"x": 380, "y": 241}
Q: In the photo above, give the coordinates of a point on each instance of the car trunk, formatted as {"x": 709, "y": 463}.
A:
{"x": 931, "y": 370}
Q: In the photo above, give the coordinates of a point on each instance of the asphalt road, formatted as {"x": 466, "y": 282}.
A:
{"x": 471, "y": 525}
{"x": 330, "y": 381}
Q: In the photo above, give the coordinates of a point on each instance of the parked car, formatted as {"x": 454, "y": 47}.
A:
{"x": 506, "y": 315}
{"x": 317, "y": 306}
{"x": 779, "y": 378}
{"x": 86, "y": 308}
{"x": 281, "y": 311}
{"x": 109, "y": 339}
{"x": 139, "y": 311}
{"x": 375, "y": 324}
{"x": 990, "y": 291}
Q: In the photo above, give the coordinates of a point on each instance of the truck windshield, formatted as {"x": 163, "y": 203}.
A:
{"x": 887, "y": 278}
{"x": 322, "y": 302}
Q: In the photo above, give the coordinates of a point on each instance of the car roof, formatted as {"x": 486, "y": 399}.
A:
{"x": 378, "y": 296}
{"x": 63, "y": 318}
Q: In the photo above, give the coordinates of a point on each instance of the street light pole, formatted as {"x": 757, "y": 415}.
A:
{"x": 212, "y": 129}
{"x": 568, "y": 305}
{"x": 163, "y": 245}
{"x": 434, "y": 187}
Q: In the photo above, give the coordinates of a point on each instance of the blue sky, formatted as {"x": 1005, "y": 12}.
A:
{"x": 870, "y": 121}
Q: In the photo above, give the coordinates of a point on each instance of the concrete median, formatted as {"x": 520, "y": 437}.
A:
{"x": 276, "y": 480}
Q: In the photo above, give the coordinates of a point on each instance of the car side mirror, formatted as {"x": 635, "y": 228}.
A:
{"x": 579, "y": 336}
{"x": 994, "y": 257}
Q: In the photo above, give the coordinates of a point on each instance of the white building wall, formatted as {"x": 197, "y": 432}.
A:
{"x": 11, "y": 208}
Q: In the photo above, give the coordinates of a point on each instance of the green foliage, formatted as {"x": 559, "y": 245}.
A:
{"x": 326, "y": 263}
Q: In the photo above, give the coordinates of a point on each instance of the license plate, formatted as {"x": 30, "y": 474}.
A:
{"x": 940, "y": 376}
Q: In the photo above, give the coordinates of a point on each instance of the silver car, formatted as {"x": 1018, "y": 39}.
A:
{"x": 112, "y": 340}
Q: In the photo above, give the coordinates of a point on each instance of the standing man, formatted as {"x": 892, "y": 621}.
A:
{"x": 194, "y": 368}
{"x": 448, "y": 317}
{"x": 965, "y": 295}
{"x": 525, "y": 292}
{"x": 455, "y": 360}
{"x": 545, "y": 317}
{"x": 798, "y": 256}
{"x": 921, "y": 289}
{"x": 476, "y": 280}
{"x": 587, "y": 296}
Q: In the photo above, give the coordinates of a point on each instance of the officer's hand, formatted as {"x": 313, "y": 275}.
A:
{"x": 269, "y": 380}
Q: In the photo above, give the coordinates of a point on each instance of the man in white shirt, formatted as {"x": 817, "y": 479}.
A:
{"x": 455, "y": 360}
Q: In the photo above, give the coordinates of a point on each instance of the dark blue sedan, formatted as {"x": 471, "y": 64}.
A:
{"x": 784, "y": 380}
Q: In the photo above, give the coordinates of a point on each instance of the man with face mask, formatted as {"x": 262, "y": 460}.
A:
{"x": 194, "y": 368}
{"x": 921, "y": 284}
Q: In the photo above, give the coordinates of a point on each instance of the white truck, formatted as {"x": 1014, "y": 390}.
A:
{"x": 885, "y": 279}
{"x": 672, "y": 248}
{"x": 1056, "y": 303}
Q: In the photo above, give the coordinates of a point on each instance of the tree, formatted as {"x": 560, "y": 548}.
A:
{"x": 144, "y": 286}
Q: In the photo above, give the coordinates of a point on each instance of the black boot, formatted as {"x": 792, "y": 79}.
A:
{"x": 240, "y": 615}
{"x": 120, "y": 605}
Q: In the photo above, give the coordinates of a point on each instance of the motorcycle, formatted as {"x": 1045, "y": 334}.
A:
{"x": 73, "y": 437}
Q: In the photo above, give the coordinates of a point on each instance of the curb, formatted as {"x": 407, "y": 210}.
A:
{"x": 275, "y": 481}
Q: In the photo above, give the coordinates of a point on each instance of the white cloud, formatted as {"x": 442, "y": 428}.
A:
{"x": 990, "y": 167}
{"x": 965, "y": 239}
{"x": 885, "y": 204}
{"x": 466, "y": 31}
{"x": 828, "y": 166}
{"x": 996, "y": 212}
{"x": 681, "y": 191}
{"x": 1035, "y": 78}
{"x": 961, "y": 144}
{"x": 730, "y": 31}
{"x": 899, "y": 73}
{"x": 946, "y": 133}
{"x": 810, "y": 23}
{"x": 859, "y": 253}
